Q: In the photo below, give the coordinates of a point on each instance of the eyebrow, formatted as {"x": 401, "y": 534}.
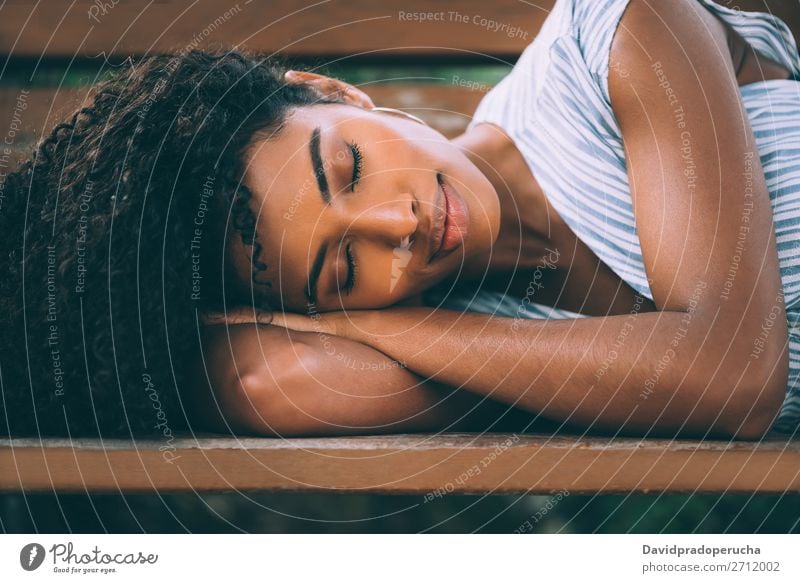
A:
{"x": 325, "y": 193}
{"x": 316, "y": 163}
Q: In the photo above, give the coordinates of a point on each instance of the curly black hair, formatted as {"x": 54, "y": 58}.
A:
{"x": 113, "y": 241}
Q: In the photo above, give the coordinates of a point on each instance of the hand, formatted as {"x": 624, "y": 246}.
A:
{"x": 332, "y": 88}
{"x": 237, "y": 315}
{"x": 343, "y": 324}
{"x": 301, "y": 322}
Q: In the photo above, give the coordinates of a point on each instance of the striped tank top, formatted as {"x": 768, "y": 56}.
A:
{"x": 555, "y": 106}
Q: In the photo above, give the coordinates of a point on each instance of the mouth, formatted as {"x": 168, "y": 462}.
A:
{"x": 449, "y": 221}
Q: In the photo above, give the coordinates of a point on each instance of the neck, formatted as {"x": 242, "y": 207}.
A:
{"x": 526, "y": 221}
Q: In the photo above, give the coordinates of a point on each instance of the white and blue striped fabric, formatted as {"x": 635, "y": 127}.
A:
{"x": 555, "y": 105}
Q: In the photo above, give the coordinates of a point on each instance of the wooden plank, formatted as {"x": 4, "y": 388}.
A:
{"x": 448, "y": 108}
{"x": 291, "y": 27}
{"x": 423, "y": 464}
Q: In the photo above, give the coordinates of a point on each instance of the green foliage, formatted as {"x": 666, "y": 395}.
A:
{"x": 340, "y": 513}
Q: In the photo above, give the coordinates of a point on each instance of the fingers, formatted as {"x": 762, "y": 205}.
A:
{"x": 293, "y": 322}
{"x": 358, "y": 98}
{"x": 301, "y": 322}
{"x": 235, "y": 316}
{"x": 331, "y": 88}
{"x": 212, "y": 318}
{"x": 279, "y": 320}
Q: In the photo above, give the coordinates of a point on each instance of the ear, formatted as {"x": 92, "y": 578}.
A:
{"x": 330, "y": 87}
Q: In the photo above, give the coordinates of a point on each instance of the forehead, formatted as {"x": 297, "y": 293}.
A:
{"x": 275, "y": 159}
{"x": 299, "y": 121}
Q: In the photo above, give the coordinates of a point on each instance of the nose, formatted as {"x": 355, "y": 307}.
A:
{"x": 392, "y": 222}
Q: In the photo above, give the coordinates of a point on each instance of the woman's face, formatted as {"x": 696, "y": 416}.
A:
{"x": 358, "y": 209}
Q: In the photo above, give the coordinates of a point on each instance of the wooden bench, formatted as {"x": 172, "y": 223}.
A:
{"x": 426, "y": 464}
{"x": 50, "y": 42}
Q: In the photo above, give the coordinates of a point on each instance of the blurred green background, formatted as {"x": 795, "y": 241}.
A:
{"x": 344, "y": 513}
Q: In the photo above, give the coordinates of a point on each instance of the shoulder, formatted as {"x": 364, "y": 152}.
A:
{"x": 593, "y": 26}
{"x": 594, "y": 23}
{"x": 567, "y": 22}
{"x": 677, "y": 31}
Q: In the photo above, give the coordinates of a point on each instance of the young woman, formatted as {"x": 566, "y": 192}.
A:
{"x": 613, "y": 244}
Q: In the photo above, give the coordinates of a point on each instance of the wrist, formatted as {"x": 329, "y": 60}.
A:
{"x": 377, "y": 327}
{"x": 358, "y": 325}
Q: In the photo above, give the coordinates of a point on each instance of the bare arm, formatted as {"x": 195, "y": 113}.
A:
{"x": 268, "y": 380}
{"x": 688, "y": 369}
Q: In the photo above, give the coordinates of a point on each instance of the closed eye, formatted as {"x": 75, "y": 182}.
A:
{"x": 358, "y": 160}
{"x": 352, "y": 268}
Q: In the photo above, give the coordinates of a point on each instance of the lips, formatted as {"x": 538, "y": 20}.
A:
{"x": 438, "y": 220}
{"x": 450, "y": 220}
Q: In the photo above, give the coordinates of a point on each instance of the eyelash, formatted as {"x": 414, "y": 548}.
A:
{"x": 358, "y": 160}
{"x": 352, "y": 270}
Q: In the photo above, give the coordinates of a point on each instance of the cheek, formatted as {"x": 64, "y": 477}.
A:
{"x": 483, "y": 205}
{"x": 375, "y": 274}
{"x": 383, "y": 278}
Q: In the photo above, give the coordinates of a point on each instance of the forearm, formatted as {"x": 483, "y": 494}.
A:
{"x": 642, "y": 372}
{"x": 271, "y": 381}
